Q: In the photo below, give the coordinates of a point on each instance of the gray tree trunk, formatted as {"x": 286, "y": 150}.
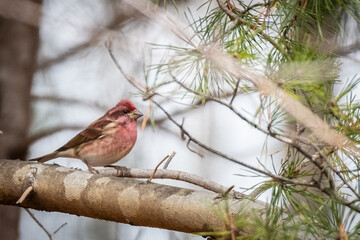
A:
{"x": 18, "y": 54}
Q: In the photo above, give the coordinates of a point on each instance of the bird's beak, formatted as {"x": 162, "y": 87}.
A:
{"x": 135, "y": 114}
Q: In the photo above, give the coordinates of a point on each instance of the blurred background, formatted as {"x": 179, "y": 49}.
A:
{"x": 57, "y": 77}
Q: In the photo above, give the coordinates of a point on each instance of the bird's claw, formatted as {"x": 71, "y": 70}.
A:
{"x": 120, "y": 170}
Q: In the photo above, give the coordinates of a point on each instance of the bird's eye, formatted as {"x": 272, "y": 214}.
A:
{"x": 126, "y": 111}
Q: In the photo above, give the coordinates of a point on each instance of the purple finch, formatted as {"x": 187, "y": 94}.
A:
{"x": 105, "y": 141}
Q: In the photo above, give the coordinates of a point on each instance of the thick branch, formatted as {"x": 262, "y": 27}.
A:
{"x": 110, "y": 198}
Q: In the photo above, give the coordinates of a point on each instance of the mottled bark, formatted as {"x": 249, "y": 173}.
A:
{"x": 18, "y": 54}
{"x": 110, "y": 198}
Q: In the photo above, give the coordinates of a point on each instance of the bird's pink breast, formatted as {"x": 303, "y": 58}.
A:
{"x": 112, "y": 147}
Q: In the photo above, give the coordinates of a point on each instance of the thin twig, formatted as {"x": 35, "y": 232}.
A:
{"x": 59, "y": 228}
{"x": 169, "y": 160}
{"x": 226, "y": 193}
{"x": 181, "y": 132}
{"x": 156, "y": 168}
{"x": 235, "y": 91}
{"x": 130, "y": 79}
{"x": 253, "y": 6}
{"x": 24, "y": 195}
{"x": 39, "y": 223}
{"x": 192, "y": 150}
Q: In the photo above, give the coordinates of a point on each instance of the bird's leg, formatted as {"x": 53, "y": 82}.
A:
{"x": 119, "y": 169}
{"x": 90, "y": 168}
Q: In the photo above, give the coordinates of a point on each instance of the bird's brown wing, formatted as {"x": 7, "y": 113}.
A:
{"x": 92, "y": 132}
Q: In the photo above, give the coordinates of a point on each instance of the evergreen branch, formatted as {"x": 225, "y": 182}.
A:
{"x": 239, "y": 20}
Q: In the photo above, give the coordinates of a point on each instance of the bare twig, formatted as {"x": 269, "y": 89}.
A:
{"x": 156, "y": 168}
{"x": 59, "y": 228}
{"x": 190, "y": 149}
{"x": 181, "y": 132}
{"x": 29, "y": 189}
{"x": 39, "y": 223}
{"x": 130, "y": 79}
{"x": 226, "y": 193}
{"x": 25, "y": 194}
{"x": 235, "y": 91}
{"x": 169, "y": 160}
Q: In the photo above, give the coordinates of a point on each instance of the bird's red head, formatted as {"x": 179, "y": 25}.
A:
{"x": 126, "y": 104}
{"x": 124, "y": 107}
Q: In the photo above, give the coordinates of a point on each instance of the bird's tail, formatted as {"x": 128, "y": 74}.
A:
{"x": 46, "y": 157}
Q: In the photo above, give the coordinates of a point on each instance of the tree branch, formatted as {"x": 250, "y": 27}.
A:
{"x": 121, "y": 200}
{"x": 171, "y": 174}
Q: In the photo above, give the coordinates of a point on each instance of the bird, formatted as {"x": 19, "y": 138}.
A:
{"x": 105, "y": 141}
